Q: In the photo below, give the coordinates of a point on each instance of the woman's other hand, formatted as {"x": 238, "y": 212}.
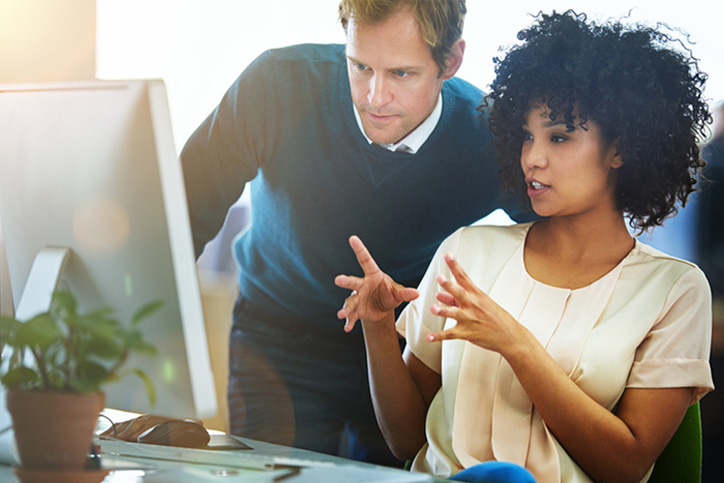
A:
{"x": 480, "y": 320}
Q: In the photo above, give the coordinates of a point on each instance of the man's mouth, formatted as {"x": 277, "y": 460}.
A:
{"x": 375, "y": 115}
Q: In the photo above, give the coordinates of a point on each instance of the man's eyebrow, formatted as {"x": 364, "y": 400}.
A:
{"x": 354, "y": 60}
{"x": 408, "y": 68}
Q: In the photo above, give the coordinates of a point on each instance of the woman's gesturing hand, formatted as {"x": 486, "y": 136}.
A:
{"x": 479, "y": 319}
{"x": 373, "y": 296}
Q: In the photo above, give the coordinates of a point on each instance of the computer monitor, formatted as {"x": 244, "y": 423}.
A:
{"x": 92, "y": 198}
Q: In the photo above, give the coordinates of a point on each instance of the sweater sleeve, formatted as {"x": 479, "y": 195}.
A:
{"x": 226, "y": 151}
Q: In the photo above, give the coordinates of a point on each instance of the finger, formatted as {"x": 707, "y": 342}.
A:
{"x": 457, "y": 270}
{"x": 446, "y": 299}
{"x": 448, "y": 334}
{"x": 349, "y": 324}
{"x": 452, "y": 288}
{"x": 445, "y": 311}
{"x": 364, "y": 258}
{"x": 406, "y": 294}
{"x": 349, "y": 307}
{"x": 349, "y": 282}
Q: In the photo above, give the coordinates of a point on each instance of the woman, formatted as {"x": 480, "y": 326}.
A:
{"x": 564, "y": 345}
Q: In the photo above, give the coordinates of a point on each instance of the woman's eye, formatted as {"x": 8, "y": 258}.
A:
{"x": 527, "y": 136}
{"x": 558, "y": 139}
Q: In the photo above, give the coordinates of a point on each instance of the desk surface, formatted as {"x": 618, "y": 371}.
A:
{"x": 127, "y": 469}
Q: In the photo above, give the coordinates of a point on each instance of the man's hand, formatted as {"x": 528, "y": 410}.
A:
{"x": 375, "y": 295}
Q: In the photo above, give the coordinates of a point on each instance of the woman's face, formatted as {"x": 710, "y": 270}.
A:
{"x": 568, "y": 173}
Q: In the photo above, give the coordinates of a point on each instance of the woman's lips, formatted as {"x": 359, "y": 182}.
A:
{"x": 536, "y": 188}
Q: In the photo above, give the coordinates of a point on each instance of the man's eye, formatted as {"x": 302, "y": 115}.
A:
{"x": 401, "y": 73}
{"x": 361, "y": 66}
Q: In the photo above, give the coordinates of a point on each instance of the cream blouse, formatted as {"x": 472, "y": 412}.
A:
{"x": 647, "y": 323}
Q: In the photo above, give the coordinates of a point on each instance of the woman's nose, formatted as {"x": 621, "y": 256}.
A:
{"x": 533, "y": 155}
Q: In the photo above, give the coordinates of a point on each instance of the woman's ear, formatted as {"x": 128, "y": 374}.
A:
{"x": 616, "y": 161}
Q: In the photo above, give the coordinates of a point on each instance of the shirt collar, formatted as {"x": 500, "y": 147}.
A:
{"x": 415, "y": 139}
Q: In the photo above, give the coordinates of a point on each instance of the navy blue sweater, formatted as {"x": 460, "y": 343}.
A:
{"x": 287, "y": 123}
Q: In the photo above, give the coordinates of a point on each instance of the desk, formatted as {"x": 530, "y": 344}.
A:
{"x": 146, "y": 470}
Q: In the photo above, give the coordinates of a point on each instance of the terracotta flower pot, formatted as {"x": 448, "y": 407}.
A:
{"x": 53, "y": 429}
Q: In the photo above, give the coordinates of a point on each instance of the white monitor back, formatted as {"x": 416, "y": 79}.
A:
{"x": 92, "y": 166}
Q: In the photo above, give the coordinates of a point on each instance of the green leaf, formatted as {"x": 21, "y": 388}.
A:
{"x": 40, "y": 332}
{"x": 103, "y": 333}
{"x": 88, "y": 377}
{"x": 8, "y": 327}
{"x": 77, "y": 352}
{"x": 56, "y": 380}
{"x": 103, "y": 313}
{"x": 145, "y": 349}
{"x": 132, "y": 339}
{"x": 20, "y": 377}
{"x": 105, "y": 347}
{"x": 65, "y": 301}
{"x": 148, "y": 383}
{"x": 146, "y": 311}
{"x": 94, "y": 321}
{"x": 8, "y": 324}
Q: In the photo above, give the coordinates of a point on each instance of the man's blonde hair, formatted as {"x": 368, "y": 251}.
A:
{"x": 440, "y": 21}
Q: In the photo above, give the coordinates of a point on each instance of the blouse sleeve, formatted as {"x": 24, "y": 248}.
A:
{"x": 416, "y": 321}
{"x": 675, "y": 353}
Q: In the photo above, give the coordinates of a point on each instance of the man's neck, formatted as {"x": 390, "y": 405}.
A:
{"x": 415, "y": 138}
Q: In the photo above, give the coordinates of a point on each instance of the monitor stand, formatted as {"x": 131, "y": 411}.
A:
{"x": 42, "y": 282}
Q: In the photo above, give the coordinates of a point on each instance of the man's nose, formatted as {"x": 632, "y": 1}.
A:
{"x": 379, "y": 93}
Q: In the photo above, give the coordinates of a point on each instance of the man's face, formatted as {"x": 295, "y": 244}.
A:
{"x": 393, "y": 78}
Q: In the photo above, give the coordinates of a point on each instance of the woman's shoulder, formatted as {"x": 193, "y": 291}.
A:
{"x": 665, "y": 266}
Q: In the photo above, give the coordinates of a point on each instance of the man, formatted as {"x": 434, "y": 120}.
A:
{"x": 376, "y": 139}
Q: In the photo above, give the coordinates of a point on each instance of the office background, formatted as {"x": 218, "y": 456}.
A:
{"x": 198, "y": 47}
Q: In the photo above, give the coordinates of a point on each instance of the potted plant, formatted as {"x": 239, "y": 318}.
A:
{"x": 54, "y": 369}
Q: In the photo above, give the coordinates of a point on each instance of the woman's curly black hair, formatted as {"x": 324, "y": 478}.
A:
{"x": 641, "y": 87}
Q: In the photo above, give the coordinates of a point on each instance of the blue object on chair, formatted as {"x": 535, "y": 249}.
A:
{"x": 680, "y": 462}
{"x": 494, "y": 472}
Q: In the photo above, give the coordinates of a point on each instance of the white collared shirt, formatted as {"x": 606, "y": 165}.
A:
{"x": 412, "y": 142}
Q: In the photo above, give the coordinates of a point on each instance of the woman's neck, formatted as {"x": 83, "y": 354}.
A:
{"x": 571, "y": 253}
